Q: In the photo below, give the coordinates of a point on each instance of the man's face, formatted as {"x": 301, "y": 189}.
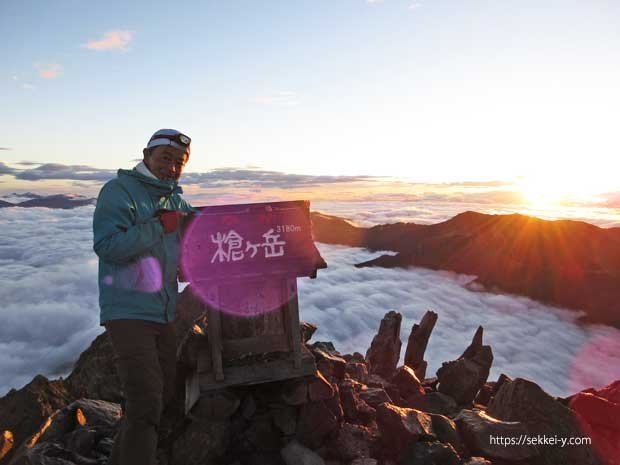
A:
{"x": 166, "y": 162}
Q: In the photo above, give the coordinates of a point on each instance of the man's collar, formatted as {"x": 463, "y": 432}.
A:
{"x": 143, "y": 169}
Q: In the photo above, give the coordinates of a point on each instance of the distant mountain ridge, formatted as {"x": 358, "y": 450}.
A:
{"x": 62, "y": 201}
{"x": 568, "y": 263}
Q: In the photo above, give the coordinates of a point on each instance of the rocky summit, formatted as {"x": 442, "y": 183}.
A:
{"x": 354, "y": 410}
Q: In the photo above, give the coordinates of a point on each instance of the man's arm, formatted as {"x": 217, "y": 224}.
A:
{"x": 116, "y": 238}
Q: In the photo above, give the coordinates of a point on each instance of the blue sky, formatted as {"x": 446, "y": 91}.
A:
{"x": 426, "y": 90}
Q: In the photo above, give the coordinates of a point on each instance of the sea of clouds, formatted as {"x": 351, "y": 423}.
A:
{"x": 48, "y": 296}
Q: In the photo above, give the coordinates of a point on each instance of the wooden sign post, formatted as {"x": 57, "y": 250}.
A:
{"x": 243, "y": 262}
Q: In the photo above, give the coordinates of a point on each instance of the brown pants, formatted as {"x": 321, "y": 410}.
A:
{"x": 145, "y": 362}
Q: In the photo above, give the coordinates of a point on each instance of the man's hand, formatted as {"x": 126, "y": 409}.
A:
{"x": 169, "y": 219}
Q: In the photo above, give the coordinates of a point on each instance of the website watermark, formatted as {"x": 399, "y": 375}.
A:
{"x": 538, "y": 440}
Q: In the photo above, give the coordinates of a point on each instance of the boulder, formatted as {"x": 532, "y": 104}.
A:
{"x": 484, "y": 394}
{"x": 328, "y": 360}
{"x": 407, "y": 382}
{"x": 524, "y": 401}
{"x": 203, "y": 441}
{"x": 262, "y": 434}
{"x": 433, "y": 402}
{"x": 445, "y": 430}
{"x": 219, "y": 404}
{"x": 384, "y": 351}
{"x": 418, "y": 340}
{"x": 285, "y": 419}
{"x": 374, "y": 396}
{"x": 461, "y": 379}
{"x": 307, "y": 330}
{"x": 23, "y": 411}
{"x": 484, "y": 435}
{"x": 295, "y": 391}
{"x": 477, "y": 461}
{"x": 598, "y": 413}
{"x": 355, "y": 409}
{"x": 296, "y": 454}
{"x": 319, "y": 388}
{"x": 352, "y": 441}
{"x": 430, "y": 453}
{"x": 357, "y": 371}
{"x": 94, "y": 374}
{"x": 316, "y": 422}
{"x": 399, "y": 427}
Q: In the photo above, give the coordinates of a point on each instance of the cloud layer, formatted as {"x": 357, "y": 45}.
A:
{"x": 48, "y": 286}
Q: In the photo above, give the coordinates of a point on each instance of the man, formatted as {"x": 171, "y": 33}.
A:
{"x": 136, "y": 236}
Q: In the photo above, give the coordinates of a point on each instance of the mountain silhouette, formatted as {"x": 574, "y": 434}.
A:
{"x": 563, "y": 262}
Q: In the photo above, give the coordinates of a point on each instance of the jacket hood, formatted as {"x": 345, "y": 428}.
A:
{"x": 155, "y": 186}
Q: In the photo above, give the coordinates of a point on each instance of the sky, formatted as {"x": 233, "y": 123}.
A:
{"x": 50, "y": 251}
{"x": 424, "y": 91}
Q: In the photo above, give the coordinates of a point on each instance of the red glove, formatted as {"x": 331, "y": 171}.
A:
{"x": 169, "y": 219}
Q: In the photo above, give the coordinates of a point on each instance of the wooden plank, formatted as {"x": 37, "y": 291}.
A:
{"x": 260, "y": 373}
{"x": 293, "y": 320}
{"x": 235, "y": 348}
{"x": 215, "y": 335}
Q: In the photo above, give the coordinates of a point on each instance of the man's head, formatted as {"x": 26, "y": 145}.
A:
{"x": 167, "y": 153}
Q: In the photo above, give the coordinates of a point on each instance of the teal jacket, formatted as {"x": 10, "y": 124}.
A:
{"x": 138, "y": 262}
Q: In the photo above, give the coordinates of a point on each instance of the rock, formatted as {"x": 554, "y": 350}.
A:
{"x": 334, "y": 404}
{"x": 524, "y": 401}
{"x": 98, "y": 414}
{"x": 49, "y": 453}
{"x": 407, "y": 382}
{"x": 94, "y": 374}
{"x": 81, "y": 440}
{"x": 357, "y": 371}
{"x": 218, "y": 404}
{"x": 6, "y": 443}
{"x": 484, "y": 394}
{"x": 328, "y": 360}
{"x": 247, "y": 408}
{"x": 285, "y": 419}
{"x": 355, "y": 357}
{"x": 384, "y": 351}
{"x": 477, "y": 430}
{"x": 316, "y": 422}
{"x": 296, "y": 454}
{"x": 353, "y": 441}
{"x": 430, "y": 453}
{"x": 307, "y": 330}
{"x": 319, "y": 388}
{"x": 418, "y": 340}
{"x": 23, "y": 411}
{"x": 262, "y": 433}
{"x": 477, "y": 461}
{"x": 445, "y": 430}
{"x": 434, "y": 402}
{"x": 598, "y": 413}
{"x": 355, "y": 409}
{"x": 203, "y": 441}
{"x": 364, "y": 461}
{"x": 374, "y": 396}
{"x": 461, "y": 379}
{"x": 377, "y": 381}
{"x": 498, "y": 384}
{"x": 399, "y": 427}
{"x": 295, "y": 392}
{"x": 475, "y": 345}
